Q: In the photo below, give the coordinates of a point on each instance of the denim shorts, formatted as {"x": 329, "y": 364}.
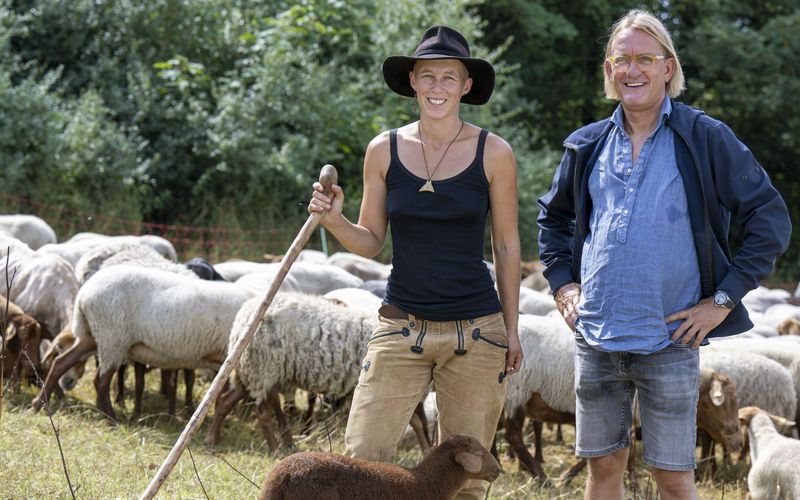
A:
{"x": 667, "y": 385}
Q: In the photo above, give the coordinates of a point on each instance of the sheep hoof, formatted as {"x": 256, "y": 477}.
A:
{"x": 37, "y": 404}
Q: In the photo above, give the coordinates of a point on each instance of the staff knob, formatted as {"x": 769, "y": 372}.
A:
{"x": 327, "y": 177}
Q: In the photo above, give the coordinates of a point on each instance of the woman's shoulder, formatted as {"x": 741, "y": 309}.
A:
{"x": 497, "y": 148}
{"x": 379, "y": 150}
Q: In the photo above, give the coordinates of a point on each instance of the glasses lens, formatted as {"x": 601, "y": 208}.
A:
{"x": 620, "y": 61}
{"x": 645, "y": 59}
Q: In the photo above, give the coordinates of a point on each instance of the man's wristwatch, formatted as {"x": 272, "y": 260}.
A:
{"x": 721, "y": 299}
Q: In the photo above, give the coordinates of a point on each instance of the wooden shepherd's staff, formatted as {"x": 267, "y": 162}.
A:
{"x": 327, "y": 177}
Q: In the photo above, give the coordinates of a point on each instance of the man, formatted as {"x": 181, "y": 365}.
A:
{"x": 633, "y": 235}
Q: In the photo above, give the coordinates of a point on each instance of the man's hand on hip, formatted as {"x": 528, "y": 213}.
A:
{"x": 567, "y": 297}
{"x": 698, "y": 321}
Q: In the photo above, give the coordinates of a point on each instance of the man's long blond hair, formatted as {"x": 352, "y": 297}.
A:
{"x": 642, "y": 20}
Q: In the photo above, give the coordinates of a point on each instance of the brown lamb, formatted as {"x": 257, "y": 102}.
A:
{"x": 328, "y": 476}
{"x": 20, "y": 343}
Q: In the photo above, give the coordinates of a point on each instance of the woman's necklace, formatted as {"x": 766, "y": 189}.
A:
{"x": 428, "y": 186}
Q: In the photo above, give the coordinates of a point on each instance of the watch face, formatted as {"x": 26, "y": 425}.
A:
{"x": 720, "y": 298}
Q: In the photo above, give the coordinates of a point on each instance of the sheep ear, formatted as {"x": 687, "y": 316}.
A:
{"x": 11, "y": 332}
{"x": 469, "y": 461}
{"x": 716, "y": 393}
{"x": 47, "y": 351}
{"x": 746, "y": 414}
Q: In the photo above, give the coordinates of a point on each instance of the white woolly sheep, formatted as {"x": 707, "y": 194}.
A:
{"x": 44, "y": 286}
{"x": 545, "y": 387}
{"x": 311, "y": 255}
{"x": 355, "y": 298}
{"x": 535, "y": 280}
{"x": 29, "y": 229}
{"x": 778, "y": 313}
{"x": 304, "y": 341}
{"x": 77, "y": 246}
{"x": 364, "y": 268}
{"x": 787, "y": 355}
{"x": 759, "y": 380}
{"x": 319, "y": 279}
{"x": 545, "y": 380}
{"x": 375, "y": 287}
{"x": 234, "y": 269}
{"x": 774, "y": 459}
{"x": 132, "y": 253}
{"x": 439, "y": 476}
{"x": 313, "y": 279}
{"x": 760, "y": 299}
{"x": 535, "y": 302}
{"x": 151, "y": 317}
{"x": 789, "y": 327}
{"x": 258, "y": 282}
{"x": 548, "y": 364}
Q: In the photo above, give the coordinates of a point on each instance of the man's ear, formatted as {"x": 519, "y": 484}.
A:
{"x": 669, "y": 69}
{"x": 608, "y": 69}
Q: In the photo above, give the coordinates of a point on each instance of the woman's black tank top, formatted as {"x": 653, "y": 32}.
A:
{"x": 438, "y": 271}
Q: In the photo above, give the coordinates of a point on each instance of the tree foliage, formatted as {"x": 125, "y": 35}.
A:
{"x": 220, "y": 112}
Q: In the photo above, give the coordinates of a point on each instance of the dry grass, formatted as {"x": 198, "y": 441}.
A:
{"x": 108, "y": 460}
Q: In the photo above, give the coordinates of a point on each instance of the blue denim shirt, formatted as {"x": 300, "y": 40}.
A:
{"x": 639, "y": 260}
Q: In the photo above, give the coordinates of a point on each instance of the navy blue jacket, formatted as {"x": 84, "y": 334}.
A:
{"x": 722, "y": 179}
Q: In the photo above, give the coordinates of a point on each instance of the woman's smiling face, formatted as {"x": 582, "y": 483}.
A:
{"x": 439, "y": 84}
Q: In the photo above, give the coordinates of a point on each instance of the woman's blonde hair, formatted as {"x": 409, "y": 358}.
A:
{"x": 647, "y": 22}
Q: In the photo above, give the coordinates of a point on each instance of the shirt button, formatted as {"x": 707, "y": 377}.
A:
{"x": 630, "y": 190}
{"x": 625, "y": 211}
{"x": 630, "y": 170}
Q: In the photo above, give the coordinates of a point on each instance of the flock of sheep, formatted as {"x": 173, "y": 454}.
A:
{"x": 126, "y": 300}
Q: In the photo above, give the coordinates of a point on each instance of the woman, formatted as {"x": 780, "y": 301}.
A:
{"x": 435, "y": 180}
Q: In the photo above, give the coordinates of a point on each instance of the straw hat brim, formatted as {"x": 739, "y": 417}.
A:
{"x": 397, "y": 68}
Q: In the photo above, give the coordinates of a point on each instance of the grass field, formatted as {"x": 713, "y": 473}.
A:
{"x": 106, "y": 460}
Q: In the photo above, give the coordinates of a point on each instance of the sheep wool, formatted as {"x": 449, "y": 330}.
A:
{"x": 775, "y": 462}
{"x": 548, "y": 346}
{"x": 787, "y": 355}
{"x": 30, "y": 229}
{"x": 125, "y": 253}
{"x": 43, "y": 285}
{"x": 156, "y": 317}
{"x": 759, "y": 380}
{"x": 304, "y": 340}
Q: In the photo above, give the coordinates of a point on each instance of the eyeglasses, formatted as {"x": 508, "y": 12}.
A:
{"x": 642, "y": 61}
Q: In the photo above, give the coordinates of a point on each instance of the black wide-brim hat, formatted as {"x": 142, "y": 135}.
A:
{"x": 441, "y": 42}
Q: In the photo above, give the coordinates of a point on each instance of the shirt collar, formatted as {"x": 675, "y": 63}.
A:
{"x": 666, "y": 110}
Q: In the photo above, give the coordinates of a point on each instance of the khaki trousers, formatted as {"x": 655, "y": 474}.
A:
{"x": 465, "y": 361}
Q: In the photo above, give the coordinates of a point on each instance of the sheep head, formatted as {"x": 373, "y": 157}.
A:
{"x": 789, "y": 327}
{"x": 717, "y": 410}
{"x": 473, "y": 457}
{"x": 747, "y": 414}
{"x": 48, "y": 351}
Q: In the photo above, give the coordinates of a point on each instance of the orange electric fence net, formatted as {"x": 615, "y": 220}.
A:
{"x": 212, "y": 243}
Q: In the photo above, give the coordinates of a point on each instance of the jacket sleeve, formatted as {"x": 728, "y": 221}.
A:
{"x": 557, "y": 224}
{"x": 744, "y": 188}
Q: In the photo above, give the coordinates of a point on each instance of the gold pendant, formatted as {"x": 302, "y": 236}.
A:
{"x": 427, "y": 187}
